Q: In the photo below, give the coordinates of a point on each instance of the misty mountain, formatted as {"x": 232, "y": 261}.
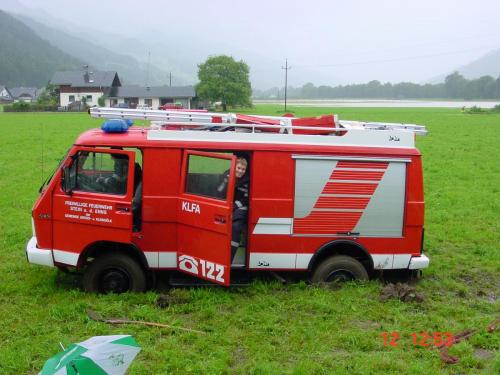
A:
{"x": 173, "y": 49}
{"x": 487, "y": 65}
{"x": 25, "y": 58}
{"x": 107, "y": 50}
{"x": 130, "y": 70}
{"x": 170, "y": 38}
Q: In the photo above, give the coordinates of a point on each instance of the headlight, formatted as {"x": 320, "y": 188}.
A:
{"x": 33, "y": 227}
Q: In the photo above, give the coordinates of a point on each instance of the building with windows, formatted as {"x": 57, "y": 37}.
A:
{"x": 19, "y": 94}
{"x": 25, "y": 94}
{"x": 84, "y": 86}
{"x": 87, "y": 87}
{"x": 154, "y": 97}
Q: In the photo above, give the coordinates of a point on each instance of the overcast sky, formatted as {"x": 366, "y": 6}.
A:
{"x": 332, "y": 41}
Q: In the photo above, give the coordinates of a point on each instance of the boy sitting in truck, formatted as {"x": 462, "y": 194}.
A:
{"x": 240, "y": 207}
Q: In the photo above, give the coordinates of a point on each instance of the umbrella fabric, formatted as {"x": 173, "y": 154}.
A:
{"x": 97, "y": 355}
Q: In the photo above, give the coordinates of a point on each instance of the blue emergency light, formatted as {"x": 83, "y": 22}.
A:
{"x": 116, "y": 125}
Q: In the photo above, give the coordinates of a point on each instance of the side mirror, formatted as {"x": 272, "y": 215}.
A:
{"x": 68, "y": 180}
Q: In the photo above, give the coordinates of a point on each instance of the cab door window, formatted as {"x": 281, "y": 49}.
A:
{"x": 207, "y": 176}
{"x": 99, "y": 172}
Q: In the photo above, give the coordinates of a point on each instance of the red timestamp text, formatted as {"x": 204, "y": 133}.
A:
{"x": 421, "y": 339}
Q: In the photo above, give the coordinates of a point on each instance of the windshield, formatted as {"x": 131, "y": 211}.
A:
{"x": 47, "y": 181}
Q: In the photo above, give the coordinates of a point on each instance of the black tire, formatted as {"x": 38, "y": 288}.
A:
{"x": 339, "y": 268}
{"x": 114, "y": 273}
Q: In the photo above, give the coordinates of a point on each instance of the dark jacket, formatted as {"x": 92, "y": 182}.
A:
{"x": 240, "y": 191}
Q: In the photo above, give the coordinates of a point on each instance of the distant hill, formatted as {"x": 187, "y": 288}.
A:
{"x": 25, "y": 58}
{"x": 487, "y": 65}
{"x": 129, "y": 69}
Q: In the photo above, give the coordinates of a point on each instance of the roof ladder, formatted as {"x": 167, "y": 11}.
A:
{"x": 215, "y": 121}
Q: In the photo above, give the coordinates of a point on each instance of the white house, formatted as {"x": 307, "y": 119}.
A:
{"x": 5, "y": 95}
{"x": 87, "y": 86}
{"x": 84, "y": 85}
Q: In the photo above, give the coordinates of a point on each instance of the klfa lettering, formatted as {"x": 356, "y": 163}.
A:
{"x": 191, "y": 207}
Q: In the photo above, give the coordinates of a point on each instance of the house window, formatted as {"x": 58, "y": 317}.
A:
{"x": 71, "y": 98}
{"x": 89, "y": 98}
{"x": 148, "y": 102}
{"x": 132, "y": 102}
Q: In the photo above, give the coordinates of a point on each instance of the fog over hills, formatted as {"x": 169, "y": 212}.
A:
{"x": 489, "y": 64}
{"x": 129, "y": 69}
{"x": 25, "y": 58}
{"x": 326, "y": 42}
{"x": 130, "y": 57}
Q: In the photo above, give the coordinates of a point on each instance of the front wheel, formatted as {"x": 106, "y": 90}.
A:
{"x": 114, "y": 273}
{"x": 339, "y": 268}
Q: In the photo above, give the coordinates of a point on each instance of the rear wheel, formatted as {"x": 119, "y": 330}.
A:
{"x": 339, "y": 268}
{"x": 114, "y": 273}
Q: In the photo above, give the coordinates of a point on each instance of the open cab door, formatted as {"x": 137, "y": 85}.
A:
{"x": 205, "y": 215}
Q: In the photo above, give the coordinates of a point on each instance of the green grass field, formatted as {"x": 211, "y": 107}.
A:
{"x": 269, "y": 328}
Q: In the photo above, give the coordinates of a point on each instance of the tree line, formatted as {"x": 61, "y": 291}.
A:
{"x": 455, "y": 86}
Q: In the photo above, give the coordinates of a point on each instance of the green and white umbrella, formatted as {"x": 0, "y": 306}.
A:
{"x": 97, "y": 355}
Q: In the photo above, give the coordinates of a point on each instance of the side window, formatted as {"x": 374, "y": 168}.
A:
{"x": 99, "y": 172}
{"x": 137, "y": 166}
{"x": 207, "y": 176}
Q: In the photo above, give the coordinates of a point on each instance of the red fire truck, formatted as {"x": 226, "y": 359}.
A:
{"x": 336, "y": 199}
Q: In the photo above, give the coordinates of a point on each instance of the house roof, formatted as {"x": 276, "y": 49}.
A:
{"x": 4, "y": 88}
{"x": 17, "y": 92}
{"x": 135, "y": 91}
{"x": 9, "y": 94}
{"x": 85, "y": 78}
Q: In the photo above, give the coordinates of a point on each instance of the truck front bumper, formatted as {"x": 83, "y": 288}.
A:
{"x": 38, "y": 256}
{"x": 417, "y": 263}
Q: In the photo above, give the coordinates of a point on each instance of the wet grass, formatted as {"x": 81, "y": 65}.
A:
{"x": 268, "y": 327}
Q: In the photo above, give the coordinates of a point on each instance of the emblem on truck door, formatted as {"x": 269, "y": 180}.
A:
{"x": 188, "y": 264}
{"x": 191, "y": 207}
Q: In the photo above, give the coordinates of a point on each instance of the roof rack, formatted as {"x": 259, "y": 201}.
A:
{"x": 170, "y": 115}
{"x": 195, "y": 120}
{"x": 417, "y": 129}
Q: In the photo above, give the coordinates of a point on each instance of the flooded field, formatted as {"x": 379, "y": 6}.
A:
{"x": 382, "y": 103}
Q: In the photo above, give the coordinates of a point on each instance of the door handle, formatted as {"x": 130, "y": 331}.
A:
{"x": 219, "y": 219}
{"x": 121, "y": 208}
{"x": 347, "y": 233}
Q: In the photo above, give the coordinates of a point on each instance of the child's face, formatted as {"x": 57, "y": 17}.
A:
{"x": 240, "y": 170}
